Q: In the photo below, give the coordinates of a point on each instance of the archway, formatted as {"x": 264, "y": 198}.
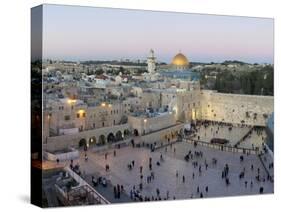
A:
{"x": 111, "y": 138}
{"x": 119, "y": 136}
{"x": 83, "y": 143}
{"x": 92, "y": 141}
{"x": 136, "y": 132}
{"x": 126, "y": 133}
{"x": 101, "y": 140}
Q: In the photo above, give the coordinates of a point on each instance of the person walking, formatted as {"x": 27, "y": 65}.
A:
{"x": 115, "y": 192}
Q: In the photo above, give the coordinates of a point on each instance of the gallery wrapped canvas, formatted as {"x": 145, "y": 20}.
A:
{"x": 130, "y": 106}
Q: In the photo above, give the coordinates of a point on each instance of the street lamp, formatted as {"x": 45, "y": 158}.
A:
{"x": 71, "y": 101}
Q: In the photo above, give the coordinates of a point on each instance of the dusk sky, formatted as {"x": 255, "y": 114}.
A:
{"x": 86, "y": 33}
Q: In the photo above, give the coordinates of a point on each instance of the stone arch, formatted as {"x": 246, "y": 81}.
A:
{"x": 118, "y": 136}
{"x": 136, "y": 132}
{"x": 126, "y": 133}
{"x": 101, "y": 140}
{"x": 111, "y": 138}
{"x": 83, "y": 143}
{"x": 92, "y": 141}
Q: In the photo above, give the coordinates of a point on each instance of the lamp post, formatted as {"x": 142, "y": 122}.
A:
{"x": 144, "y": 121}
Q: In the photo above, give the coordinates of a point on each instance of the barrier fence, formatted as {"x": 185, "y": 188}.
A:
{"x": 222, "y": 147}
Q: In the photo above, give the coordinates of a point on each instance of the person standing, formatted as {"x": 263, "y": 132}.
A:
{"x": 167, "y": 194}
{"x": 115, "y": 192}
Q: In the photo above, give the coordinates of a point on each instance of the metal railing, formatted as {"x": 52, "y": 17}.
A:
{"x": 222, "y": 147}
{"x": 82, "y": 182}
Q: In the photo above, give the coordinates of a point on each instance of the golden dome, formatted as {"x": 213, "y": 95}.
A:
{"x": 180, "y": 60}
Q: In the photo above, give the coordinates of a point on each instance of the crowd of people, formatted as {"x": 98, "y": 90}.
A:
{"x": 199, "y": 161}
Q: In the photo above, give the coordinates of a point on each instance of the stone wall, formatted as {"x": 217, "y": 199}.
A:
{"x": 161, "y": 135}
{"x": 234, "y": 108}
{"x": 146, "y": 125}
{"x": 56, "y": 143}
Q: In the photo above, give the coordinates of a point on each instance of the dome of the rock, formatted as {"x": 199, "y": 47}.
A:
{"x": 180, "y": 61}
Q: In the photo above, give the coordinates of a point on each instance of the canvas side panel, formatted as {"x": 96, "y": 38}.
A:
{"x": 36, "y": 105}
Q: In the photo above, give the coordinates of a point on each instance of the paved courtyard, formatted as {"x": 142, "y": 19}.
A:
{"x": 215, "y": 131}
{"x": 166, "y": 179}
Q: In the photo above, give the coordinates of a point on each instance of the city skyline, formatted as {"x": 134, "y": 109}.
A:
{"x": 86, "y": 33}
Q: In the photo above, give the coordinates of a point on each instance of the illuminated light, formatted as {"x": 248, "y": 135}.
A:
{"x": 81, "y": 111}
{"x": 175, "y": 109}
{"x": 71, "y": 101}
{"x": 110, "y": 105}
{"x": 103, "y": 104}
{"x": 145, "y": 120}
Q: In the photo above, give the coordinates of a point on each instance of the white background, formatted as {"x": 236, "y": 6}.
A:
{"x": 15, "y": 101}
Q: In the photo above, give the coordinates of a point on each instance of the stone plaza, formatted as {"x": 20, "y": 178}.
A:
{"x": 171, "y": 167}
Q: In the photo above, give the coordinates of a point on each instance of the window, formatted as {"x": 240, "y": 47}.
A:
{"x": 67, "y": 118}
{"x": 78, "y": 115}
{"x": 94, "y": 125}
{"x": 103, "y": 124}
{"x": 84, "y": 114}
